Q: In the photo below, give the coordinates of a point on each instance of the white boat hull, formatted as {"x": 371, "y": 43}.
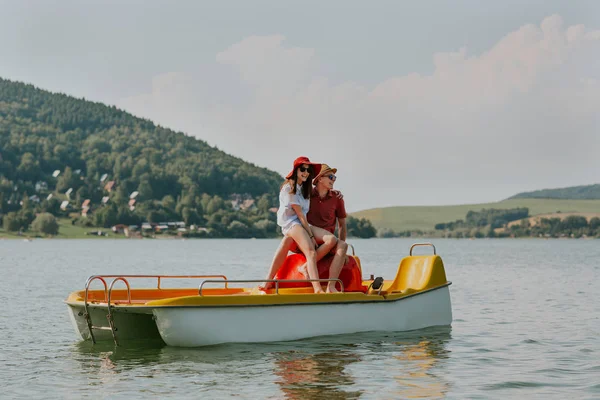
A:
{"x": 202, "y": 326}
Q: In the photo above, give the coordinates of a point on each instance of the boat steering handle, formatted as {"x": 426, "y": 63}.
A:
{"x": 422, "y": 244}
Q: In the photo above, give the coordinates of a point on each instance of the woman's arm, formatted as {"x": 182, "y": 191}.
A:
{"x": 298, "y": 210}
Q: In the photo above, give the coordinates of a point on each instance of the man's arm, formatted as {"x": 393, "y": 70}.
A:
{"x": 340, "y": 213}
{"x": 342, "y": 228}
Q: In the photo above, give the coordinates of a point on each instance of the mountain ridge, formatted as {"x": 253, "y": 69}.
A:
{"x": 582, "y": 192}
{"x": 21, "y": 101}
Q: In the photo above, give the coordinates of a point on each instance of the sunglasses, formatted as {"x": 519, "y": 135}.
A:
{"x": 304, "y": 169}
{"x": 332, "y": 177}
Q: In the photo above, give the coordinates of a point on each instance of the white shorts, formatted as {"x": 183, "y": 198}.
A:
{"x": 290, "y": 226}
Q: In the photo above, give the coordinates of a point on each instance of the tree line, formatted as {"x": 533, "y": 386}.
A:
{"x": 492, "y": 218}
{"x": 503, "y": 223}
{"x": 575, "y": 226}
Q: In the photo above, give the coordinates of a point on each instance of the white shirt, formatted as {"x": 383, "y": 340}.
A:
{"x": 286, "y": 216}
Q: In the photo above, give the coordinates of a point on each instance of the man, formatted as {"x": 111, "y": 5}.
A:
{"x": 327, "y": 210}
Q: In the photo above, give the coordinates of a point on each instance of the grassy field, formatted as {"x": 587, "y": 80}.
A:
{"x": 65, "y": 231}
{"x": 424, "y": 218}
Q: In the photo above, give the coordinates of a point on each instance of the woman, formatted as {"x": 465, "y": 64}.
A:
{"x": 294, "y": 202}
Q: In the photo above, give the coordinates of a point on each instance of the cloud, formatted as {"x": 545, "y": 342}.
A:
{"x": 264, "y": 62}
{"x": 521, "y": 115}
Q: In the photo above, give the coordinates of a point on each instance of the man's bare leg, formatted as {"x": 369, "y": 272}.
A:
{"x": 329, "y": 242}
{"x": 336, "y": 265}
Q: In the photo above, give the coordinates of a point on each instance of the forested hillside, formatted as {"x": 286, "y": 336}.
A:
{"x": 587, "y": 192}
{"x": 56, "y": 148}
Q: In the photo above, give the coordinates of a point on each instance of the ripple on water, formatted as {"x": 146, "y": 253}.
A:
{"x": 483, "y": 350}
{"x": 520, "y": 385}
{"x": 595, "y": 388}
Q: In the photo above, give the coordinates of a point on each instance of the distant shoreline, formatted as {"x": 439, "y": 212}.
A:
{"x": 415, "y": 238}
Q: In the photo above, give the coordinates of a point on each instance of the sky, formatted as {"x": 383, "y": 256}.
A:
{"x": 415, "y": 102}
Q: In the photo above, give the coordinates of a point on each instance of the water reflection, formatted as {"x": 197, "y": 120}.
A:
{"x": 102, "y": 360}
{"x": 316, "y": 376}
{"x": 408, "y": 365}
{"x": 415, "y": 372}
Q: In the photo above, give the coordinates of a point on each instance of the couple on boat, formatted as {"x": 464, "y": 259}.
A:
{"x": 307, "y": 217}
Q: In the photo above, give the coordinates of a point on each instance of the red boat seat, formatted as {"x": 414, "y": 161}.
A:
{"x": 351, "y": 274}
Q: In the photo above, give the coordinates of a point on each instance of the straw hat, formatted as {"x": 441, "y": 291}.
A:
{"x": 325, "y": 169}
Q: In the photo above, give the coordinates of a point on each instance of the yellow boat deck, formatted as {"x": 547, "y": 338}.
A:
{"x": 415, "y": 274}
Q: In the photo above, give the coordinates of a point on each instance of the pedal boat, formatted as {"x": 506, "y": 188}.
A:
{"x": 200, "y": 315}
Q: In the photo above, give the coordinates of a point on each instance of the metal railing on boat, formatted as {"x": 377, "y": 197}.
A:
{"x": 123, "y": 278}
{"x": 276, "y": 281}
{"x": 422, "y": 244}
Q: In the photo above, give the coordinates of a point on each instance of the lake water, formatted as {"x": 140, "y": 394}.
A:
{"x": 526, "y": 325}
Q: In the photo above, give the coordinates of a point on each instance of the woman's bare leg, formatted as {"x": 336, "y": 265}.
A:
{"x": 305, "y": 243}
{"x": 278, "y": 260}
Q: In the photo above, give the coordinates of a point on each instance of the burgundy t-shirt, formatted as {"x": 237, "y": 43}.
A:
{"x": 323, "y": 212}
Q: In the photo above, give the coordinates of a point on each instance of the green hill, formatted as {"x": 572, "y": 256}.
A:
{"x": 60, "y": 131}
{"x": 425, "y": 217}
{"x": 587, "y": 192}
{"x": 177, "y": 177}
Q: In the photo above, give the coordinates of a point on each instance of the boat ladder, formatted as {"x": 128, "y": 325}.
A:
{"x": 111, "y": 321}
